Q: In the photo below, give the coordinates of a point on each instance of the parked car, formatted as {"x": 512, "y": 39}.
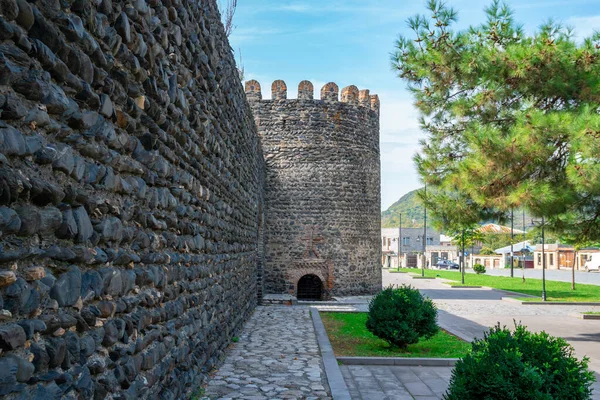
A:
{"x": 593, "y": 263}
{"x": 446, "y": 264}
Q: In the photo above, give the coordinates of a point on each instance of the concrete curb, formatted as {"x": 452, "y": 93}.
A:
{"x": 512, "y": 300}
{"x": 406, "y": 361}
{"x": 337, "y": 384}
{"x": 422, "y": 277}
{"x": 464, "y": 286}
{"x": 511, "y": 293}
{"x": 585, "y": 316}
{"x": 551, "y": 303}
{"x": 328, "y": 303}
{"x": 342, "y": 311}
{"x": 487, "y": 288}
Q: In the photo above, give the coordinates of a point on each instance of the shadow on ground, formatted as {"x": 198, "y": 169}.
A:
{"x": 462, "y": 294}
{"x": 583, "y": 337}
{"x": 461, "y": 327}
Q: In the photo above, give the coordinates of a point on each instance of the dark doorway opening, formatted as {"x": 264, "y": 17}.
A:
{"x": 411, "y": 260}
{"x": 310, "y": 287}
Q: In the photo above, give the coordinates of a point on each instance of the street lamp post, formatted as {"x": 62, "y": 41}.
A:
{"x": 512, "y": 235}
{"x": 543, "y": 262}
{"x": 522, "y": 240}
{"x": 424, "y": 235}
{"x": 400, "y": 242}
{"x": 462, "y": 257}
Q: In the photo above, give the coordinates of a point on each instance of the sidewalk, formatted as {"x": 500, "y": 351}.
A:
{"x": 469, "y": 313}
{"x": 277, "y": 357}
{"x": 472, "y": 311}
{"x": 377, "y": 382}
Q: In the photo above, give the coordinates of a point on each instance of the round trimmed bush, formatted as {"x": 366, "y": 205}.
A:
{"x": 479, "y": 269}
{"x": 401, "y": 316}
{"x": 520, "y": 365}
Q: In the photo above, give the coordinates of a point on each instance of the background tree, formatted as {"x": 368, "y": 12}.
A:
{"x": 578, "y": 244}
{"x": 511, "y": 119}
{"x": 464, "y": 236}
{"x": 492, "y": 241}
{"x": 462, "y": 223}
{"x": 468, "y": 235}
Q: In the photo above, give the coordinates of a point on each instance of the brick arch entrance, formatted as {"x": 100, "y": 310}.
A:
{"x": 320, "y": 268}
{"x": 310, "y": 287}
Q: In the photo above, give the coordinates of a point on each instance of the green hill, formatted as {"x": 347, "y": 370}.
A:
{"x": 411, "y": 209}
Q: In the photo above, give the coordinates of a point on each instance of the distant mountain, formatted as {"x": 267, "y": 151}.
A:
{"x": 411, "y": 209}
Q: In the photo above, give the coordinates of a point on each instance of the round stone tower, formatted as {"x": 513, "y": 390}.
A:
{"x": 322, "y": 199}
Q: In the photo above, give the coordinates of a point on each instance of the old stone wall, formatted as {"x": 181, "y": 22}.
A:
{"x": 322, "y": 190}
{"x": 130, "y": 198}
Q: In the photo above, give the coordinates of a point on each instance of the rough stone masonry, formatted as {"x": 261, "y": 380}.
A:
{"x": 130, "y": 192}
{"x": 322, "y": 188}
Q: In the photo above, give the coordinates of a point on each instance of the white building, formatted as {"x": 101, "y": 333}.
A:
{"x": 411, "y": 247}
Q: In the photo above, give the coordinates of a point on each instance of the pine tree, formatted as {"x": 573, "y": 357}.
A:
{"x": 511, "y": 119}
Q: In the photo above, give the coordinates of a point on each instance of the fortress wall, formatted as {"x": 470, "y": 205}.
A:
{"x": 322, "y": 179}
{"x": 130, "y": 198}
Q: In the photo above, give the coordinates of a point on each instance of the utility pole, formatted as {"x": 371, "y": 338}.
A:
{"x": 424, "y": 234}
{"x": 400, "y": 242}
{"x": 462, "y": 257}
{"x": 543, "y": 263}
{"x": 512, "y": 235}
{"x": 523, "y": 239}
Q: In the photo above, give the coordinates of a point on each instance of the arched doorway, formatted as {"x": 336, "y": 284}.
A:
{"x": 310, "y": 287}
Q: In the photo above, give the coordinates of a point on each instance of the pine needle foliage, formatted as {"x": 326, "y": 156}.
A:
{"x": 511, "y": 119}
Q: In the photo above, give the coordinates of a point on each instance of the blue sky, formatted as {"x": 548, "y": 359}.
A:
{"x": 349, "y": 41}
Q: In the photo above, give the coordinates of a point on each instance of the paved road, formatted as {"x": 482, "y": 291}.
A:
{"x": 469, "y": 312}
{"x": 562, "y": 275}
{"x": 591, "y": 278}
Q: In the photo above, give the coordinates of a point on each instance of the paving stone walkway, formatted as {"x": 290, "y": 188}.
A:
{"x": 469, "y": 312}
{"x": 277, "y": 357}
{"x": 382, "y": 382}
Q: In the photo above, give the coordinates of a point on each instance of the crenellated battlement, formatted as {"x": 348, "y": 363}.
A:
{"x": 322, "y": 180}
{"x": 330, "y": 93}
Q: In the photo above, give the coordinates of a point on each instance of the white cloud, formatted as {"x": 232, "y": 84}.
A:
{"x": 240, "y": 35}
{"x": 398, "y": 172}
{"x": 397, "y": 119}
{"x": 382, "y": 9}
{"x": 545, "y": 4}
{"x": 296, "y": 7}
{"x": 584, "y": 27}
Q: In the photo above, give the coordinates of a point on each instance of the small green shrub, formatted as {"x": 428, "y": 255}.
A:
{"x": 401, "y": 316}
{"x": 235, "y": 339}
{"x": 479, "y": 269}
{"x": 520, "y": 365}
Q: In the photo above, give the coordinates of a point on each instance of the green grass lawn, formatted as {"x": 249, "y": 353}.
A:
{"x": 350, "y": 337}
{"x": 555, "y": 291}
{"x": 591, "y": 312}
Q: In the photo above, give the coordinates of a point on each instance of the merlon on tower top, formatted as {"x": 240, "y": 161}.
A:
{"x": 329, "y": 93}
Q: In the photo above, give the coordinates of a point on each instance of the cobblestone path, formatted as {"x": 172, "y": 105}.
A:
{"x": 277, "y": 357}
